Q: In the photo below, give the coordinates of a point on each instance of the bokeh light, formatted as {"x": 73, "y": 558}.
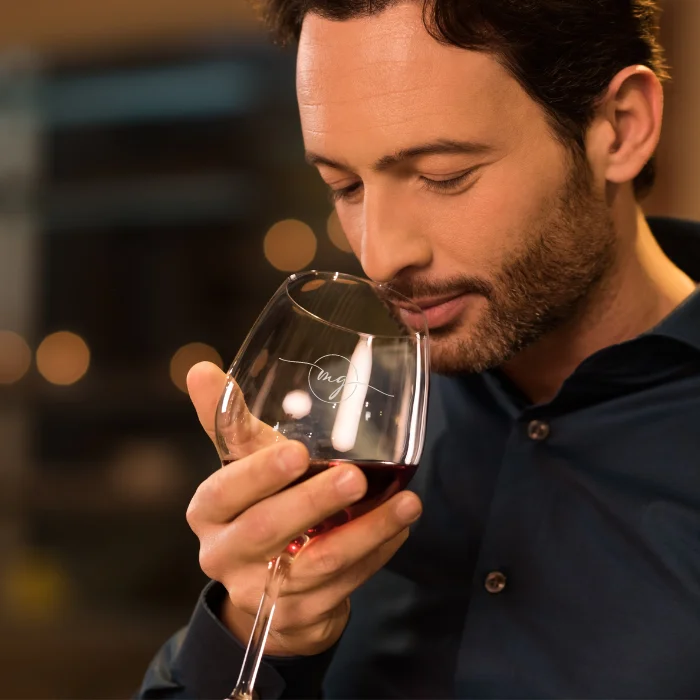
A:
{"x": 63, "y": 358}
{"x": 146, "y": 471}
{"x": 313, "y": 285}
{"x": 336, "y": 233}
{"x": 34, "y": 586}
{"x": 290, "y": 245}
{"x": 15, "y": 357}
{"x": 187, "y": 357}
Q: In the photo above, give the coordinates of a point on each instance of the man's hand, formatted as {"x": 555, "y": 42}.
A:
{"x": 244, "y": 516}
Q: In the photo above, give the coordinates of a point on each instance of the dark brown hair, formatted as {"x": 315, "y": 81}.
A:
{"x": 564, "y": 53}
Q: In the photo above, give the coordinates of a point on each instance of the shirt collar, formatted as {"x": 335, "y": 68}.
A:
{"x": 683, "y": 323}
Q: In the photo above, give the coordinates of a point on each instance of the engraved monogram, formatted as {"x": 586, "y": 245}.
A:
{"x": 327, "y": 386}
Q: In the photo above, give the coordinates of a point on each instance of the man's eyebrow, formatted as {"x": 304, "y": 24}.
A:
{"x": 440, "y": 147}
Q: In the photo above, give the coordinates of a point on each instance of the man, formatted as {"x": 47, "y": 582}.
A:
{"x": 487, "y": 157}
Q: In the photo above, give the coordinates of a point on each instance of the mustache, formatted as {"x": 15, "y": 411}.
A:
{"x": 421, "y": 288}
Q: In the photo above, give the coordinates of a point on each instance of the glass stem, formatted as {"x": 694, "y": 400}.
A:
{"x": 276, "y": 574}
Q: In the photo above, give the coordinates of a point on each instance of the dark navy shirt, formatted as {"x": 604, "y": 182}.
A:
{"x": 558, "y": 554}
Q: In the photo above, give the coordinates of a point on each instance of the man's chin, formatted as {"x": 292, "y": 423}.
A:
{"x": 466, "y": 349}
{"x": 452, "y": 352}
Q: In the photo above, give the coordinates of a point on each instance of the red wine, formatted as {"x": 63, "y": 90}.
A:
{"x": 384, "y": 480}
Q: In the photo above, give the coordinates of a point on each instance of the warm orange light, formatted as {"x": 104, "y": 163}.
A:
{"x": 15, "y": 357}
{"x": 63, "y": 358}
{"x": 336, "y": 233}
{"x": 290, "y": 245}
{"x": 187, "y": 357}
{"x": 34, "y": 586}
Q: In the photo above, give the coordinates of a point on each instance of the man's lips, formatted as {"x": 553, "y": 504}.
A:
{"x": 438, "y": 311}
{"x": 428, "y": 302}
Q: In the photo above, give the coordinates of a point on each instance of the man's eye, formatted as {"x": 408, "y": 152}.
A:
{"x": 450, "y": 185}
{"x": 346, "y": 192}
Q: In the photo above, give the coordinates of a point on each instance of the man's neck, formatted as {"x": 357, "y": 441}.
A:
{"x": 643, "y": 289}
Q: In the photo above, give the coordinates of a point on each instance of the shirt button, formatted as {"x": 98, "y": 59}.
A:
{"x": 538, "y": 430}
{"x": 495, "y": 582}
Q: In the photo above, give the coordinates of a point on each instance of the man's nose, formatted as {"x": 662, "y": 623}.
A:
{"x": 392, "y": 239}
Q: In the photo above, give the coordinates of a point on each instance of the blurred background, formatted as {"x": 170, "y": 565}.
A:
{"x": 153, "y": 195}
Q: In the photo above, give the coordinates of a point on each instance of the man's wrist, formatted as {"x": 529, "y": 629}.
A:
{"x": 240, "y": 625}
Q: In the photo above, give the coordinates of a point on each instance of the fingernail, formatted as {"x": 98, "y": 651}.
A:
{"x": 348, "y": 483}
{"x": 409, "y": 510}
{"x": 292, "y": 458}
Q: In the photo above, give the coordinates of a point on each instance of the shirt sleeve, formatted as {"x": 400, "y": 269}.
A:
{"x": 203, "y": 660}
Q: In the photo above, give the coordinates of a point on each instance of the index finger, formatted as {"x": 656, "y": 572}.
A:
{"x": 243, "y": 432}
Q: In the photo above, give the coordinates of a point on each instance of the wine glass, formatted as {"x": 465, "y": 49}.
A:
{"x": 340, "y": 364}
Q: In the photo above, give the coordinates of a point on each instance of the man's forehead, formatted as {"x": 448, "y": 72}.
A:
{"x": 397, "y": 34}
{"x": 393, "y": 42}
{"x": 385, "y": 77}
{"x": 391, "y": 54}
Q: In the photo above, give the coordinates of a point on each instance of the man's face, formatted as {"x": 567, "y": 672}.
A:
{"x": 450, "y": 184}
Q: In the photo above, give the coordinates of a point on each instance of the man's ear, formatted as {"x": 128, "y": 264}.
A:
{"x": 627, "y": 126}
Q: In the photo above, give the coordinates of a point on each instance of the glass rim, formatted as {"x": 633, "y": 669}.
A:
{"x": 334, "y": 276}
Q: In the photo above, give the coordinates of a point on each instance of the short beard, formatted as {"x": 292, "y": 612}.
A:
{"x": 540, "y": 289}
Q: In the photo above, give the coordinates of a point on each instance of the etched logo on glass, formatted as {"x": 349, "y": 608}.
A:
{"x": 330, "y": 374}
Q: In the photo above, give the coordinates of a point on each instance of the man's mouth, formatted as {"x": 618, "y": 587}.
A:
{"x": 438, "y": 311}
